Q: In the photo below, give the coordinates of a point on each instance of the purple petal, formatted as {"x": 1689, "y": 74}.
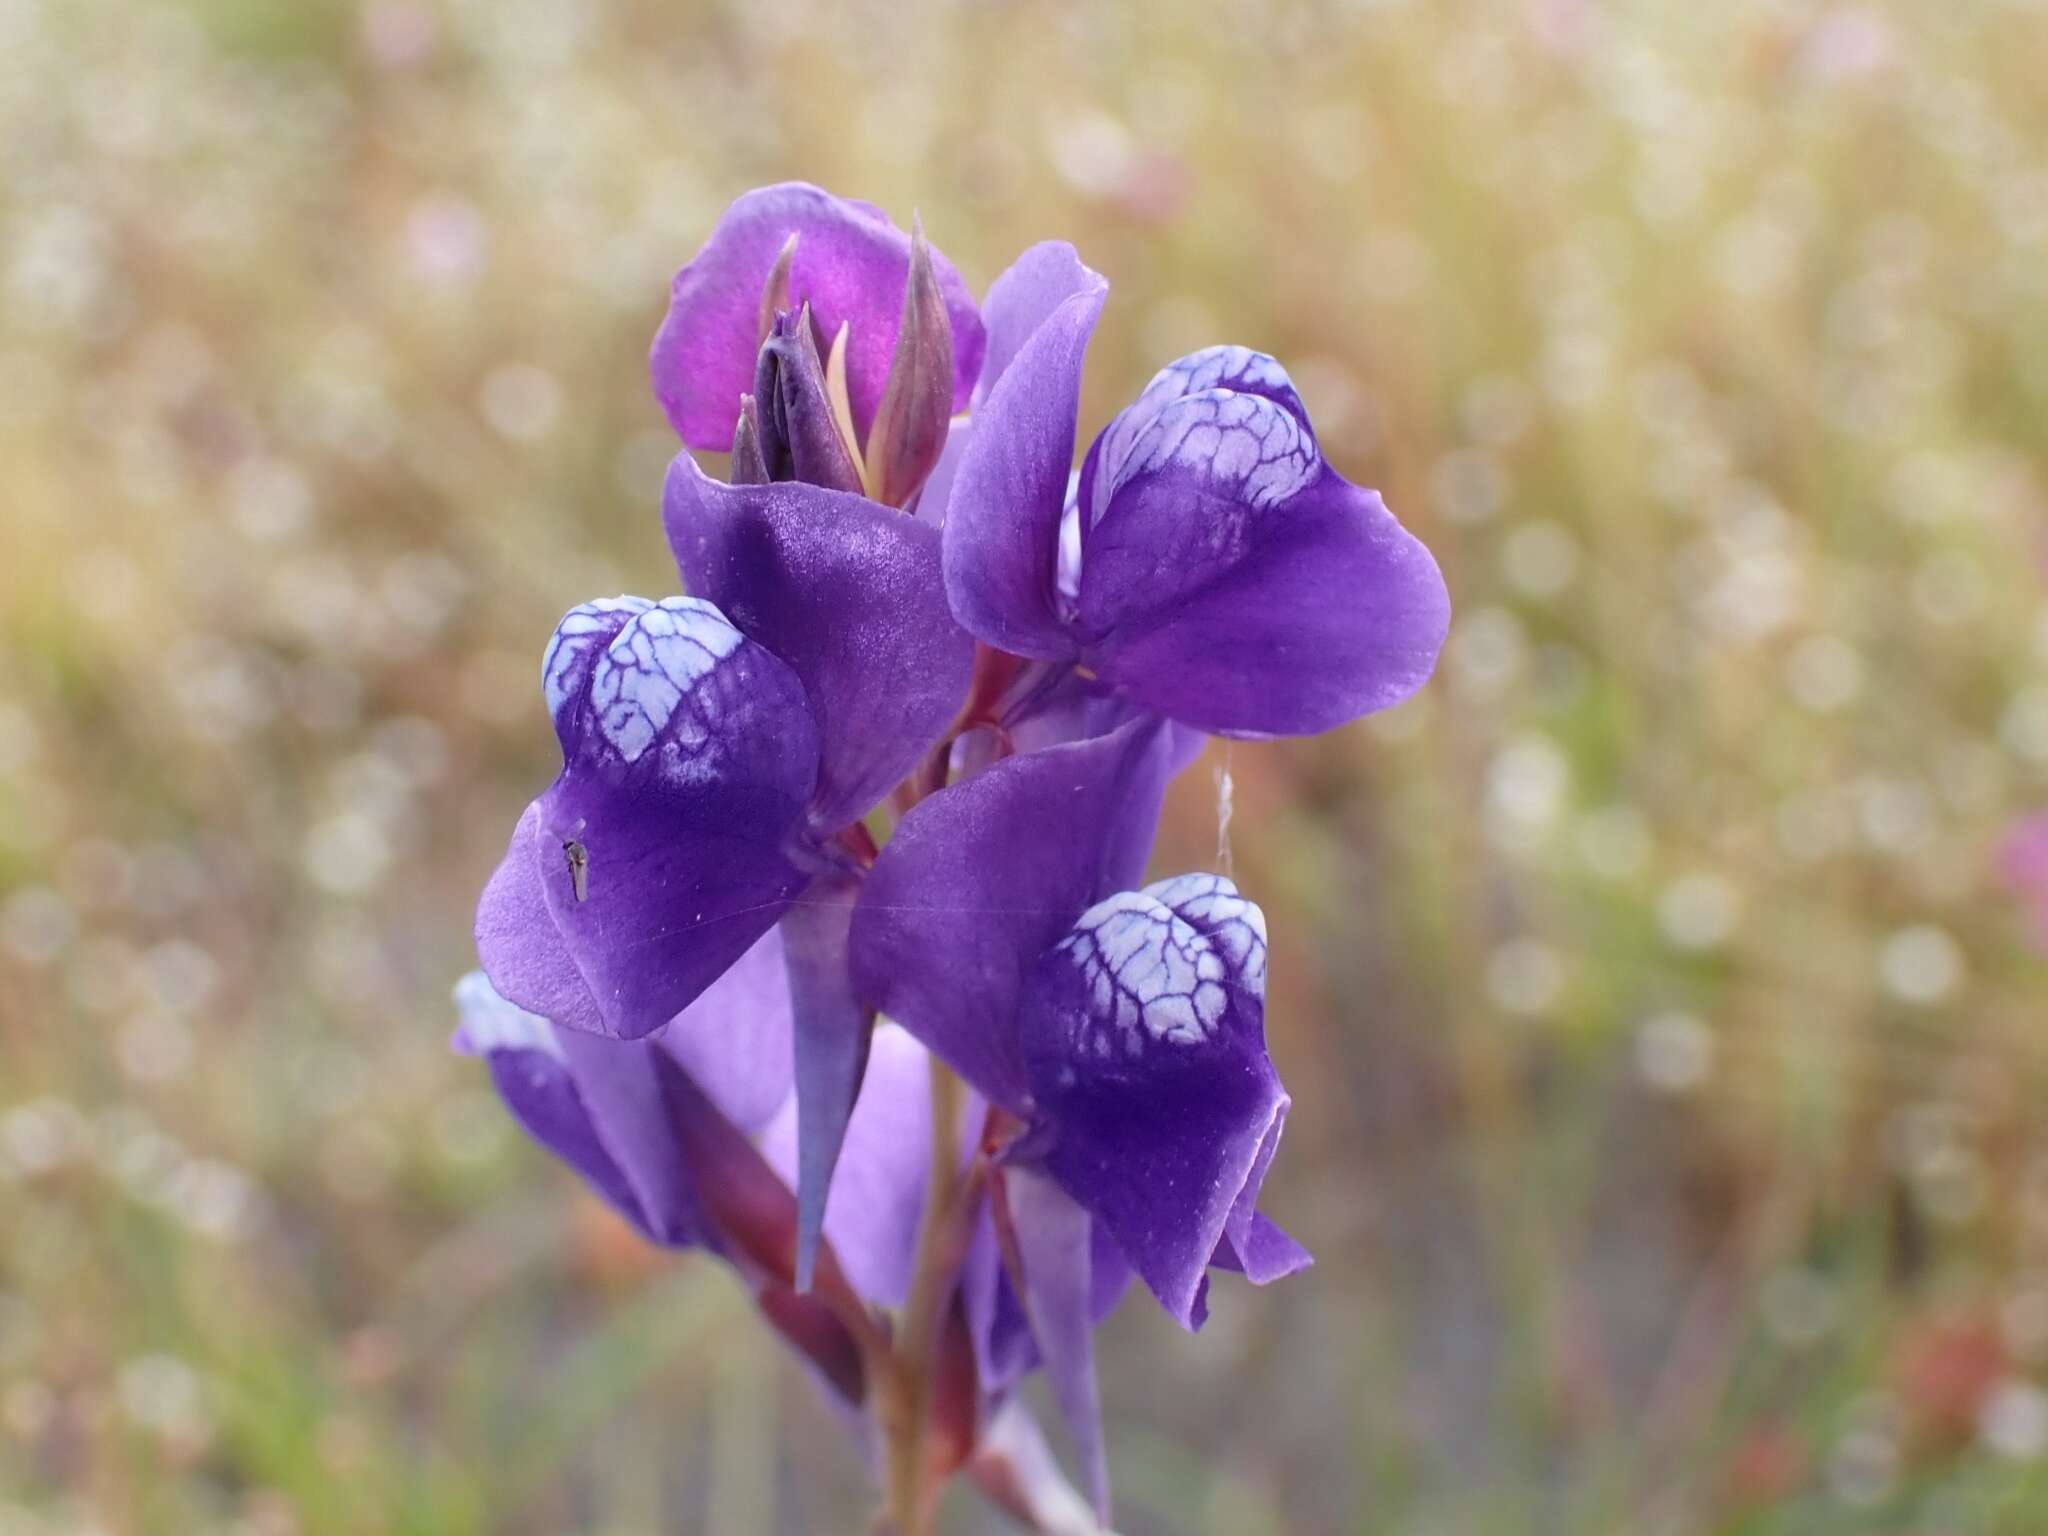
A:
{"x": 1003, "y": 518}
{"x": 1229, "y": 578}
{"x": 1284, "y": 619}
{"x": 850, "y": 265}
{"x": 848, "y": 593}
{"x": 832, "y": 1032}
{"x": 1144, "y": 1039}
{"x": 1004, "y": 1350}
{"x": 533, "y": 1077}
{"x": 662, "y": 852}
{"x": 1020, "y": 301}
{"x": 1262, "y": 1252}
{"x": 930, "y": 505}
{"x": 980, "y": 879}
{"x": 1054, "y": 1241}
{"x": 735, "y": 1039}
{"x": 878, "y": 1189}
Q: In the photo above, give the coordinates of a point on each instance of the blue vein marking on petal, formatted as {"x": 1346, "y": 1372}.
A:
{"x": 652, "y": 667}
{"x": 1150, "y": 975}
{"x": 1212, "y": 903}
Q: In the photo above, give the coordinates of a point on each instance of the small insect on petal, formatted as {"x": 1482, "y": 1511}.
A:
{"x": 579, "y": 868}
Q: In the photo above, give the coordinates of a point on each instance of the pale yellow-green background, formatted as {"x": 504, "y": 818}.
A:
{"x": 1667, "y": 1053}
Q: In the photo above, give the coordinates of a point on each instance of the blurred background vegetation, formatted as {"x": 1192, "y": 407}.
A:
{"x": 1667, "y": 1056}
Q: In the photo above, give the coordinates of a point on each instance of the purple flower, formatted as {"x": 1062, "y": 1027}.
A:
{"x": 1206, "y": 562}
{"x": 1124, "y": 1027}
{"x": 693, "y": 935}
{"x": 1121, "y": 1028}
{"x": 709, "y": 765}
{"x": 694, "y": 1142}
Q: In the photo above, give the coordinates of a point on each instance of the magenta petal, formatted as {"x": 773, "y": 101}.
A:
{"x": 1003, "y": 518}
{"x": 850, "y": 265}
{"x": 1054, "y": 1242}
{"x": 980, "y": 879}
{"x": 846, "y": 592}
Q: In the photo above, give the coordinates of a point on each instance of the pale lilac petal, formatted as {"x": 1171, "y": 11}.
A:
{"x": 1023, "y": 298}
{"x": 1054, "y": 1241}
{"x": 532, "y": 1076}
{"x": 878, "y": 1188}
{"x": 1016, "y": 1470}
{"x": 735, "y": 1039}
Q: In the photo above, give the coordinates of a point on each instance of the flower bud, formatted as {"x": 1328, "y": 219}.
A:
{"x": 799, "y": 437}
{"x": 917, "y": 401}
{"x": 748, "y": 466}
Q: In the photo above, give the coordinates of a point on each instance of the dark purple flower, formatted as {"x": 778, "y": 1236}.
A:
{"x": 692, "y": 1136}
{"x": 709, "y": 764}
{"x": 849, "y": 264}
{"x": 693, "y": 934}
{"x": 1206, "y": 562}
{"x": 1123, "y": 1027}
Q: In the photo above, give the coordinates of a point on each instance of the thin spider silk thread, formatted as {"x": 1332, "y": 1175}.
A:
{"x": 1225, "y": 787}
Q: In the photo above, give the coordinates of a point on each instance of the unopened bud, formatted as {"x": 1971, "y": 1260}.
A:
{"x": 799, "y": 437}
{"x": 748, "y": 467}
{"x": 917, "y": 401}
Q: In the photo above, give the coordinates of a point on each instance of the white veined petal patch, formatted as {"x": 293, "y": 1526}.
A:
{"x": 1237, "y": 926}
{"x": 1274, "y": 459}
{"x": 1150, "y": 977}
{"x": 1246, "y": 442}
{"x": 491, "y": 1023}
{"x": 653, "y": 666}
{"x": 583, "y": 633}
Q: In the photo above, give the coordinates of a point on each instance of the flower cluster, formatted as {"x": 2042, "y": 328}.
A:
{"x": 830, "y": 949}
